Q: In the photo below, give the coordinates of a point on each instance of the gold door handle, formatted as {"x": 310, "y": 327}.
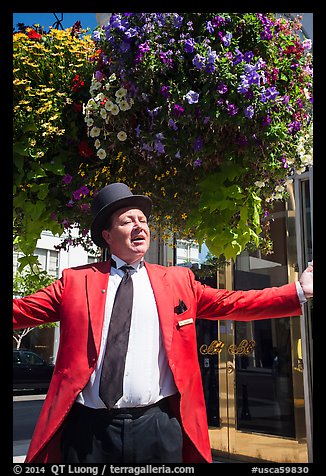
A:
{"x": 230, "y": 367}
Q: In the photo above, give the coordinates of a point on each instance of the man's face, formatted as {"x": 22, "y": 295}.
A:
{"x": 129, "y": 235}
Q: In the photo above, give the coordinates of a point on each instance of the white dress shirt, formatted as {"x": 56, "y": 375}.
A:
{"x": 147, "y": 377}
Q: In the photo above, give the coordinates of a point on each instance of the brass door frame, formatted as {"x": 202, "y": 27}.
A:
{"x": 226, "y": 440}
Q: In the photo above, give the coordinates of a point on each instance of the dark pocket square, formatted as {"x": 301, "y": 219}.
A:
{"x": 180, "y": 308}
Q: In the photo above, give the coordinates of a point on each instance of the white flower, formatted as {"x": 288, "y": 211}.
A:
{"x": 95, "y": 131}
{"x": 115, "y": 110}
{"x": 96, "y": 84}
{"x": 300, "y": 170}
{"x": 103, "y": 113}
{"x": 108, "y": 105}
{"x": 307, "y": 159}
{"x": 124, "y": 105}
{"x": 97, "y": 144}
{"x": 99, "y": 97}
{"x": 93, "y": 90}
{"x": 279, "y": 188}
{"x": 122, "y": 136}
{"x": 89, "y": 121}
{"x": 260, "y": 183}
{"x": 121, "y": 93}
{"x": 101, "y": 154}
{"x": 91, "y": 105}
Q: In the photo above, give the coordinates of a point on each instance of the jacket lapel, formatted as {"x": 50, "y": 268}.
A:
{"x": 164, "y": 302}
{"x": 96, "y": 284}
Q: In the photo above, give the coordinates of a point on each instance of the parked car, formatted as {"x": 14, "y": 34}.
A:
{"x": 30, "y": 371}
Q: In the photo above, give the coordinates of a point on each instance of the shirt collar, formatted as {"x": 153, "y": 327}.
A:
{"x": 119, "y": 263}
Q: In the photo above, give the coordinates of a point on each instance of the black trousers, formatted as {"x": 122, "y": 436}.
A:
{"x": 135, "y": 436}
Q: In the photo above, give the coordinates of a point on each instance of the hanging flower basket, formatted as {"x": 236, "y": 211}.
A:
{"x": 211, "y": 113}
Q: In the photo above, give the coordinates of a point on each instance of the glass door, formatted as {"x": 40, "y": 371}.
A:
{"x": 253, "y": 372}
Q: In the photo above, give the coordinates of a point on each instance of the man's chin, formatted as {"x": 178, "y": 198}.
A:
{"x": 140, "y": 250}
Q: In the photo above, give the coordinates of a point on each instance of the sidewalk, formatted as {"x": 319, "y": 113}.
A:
{"x": 20, "y": 446}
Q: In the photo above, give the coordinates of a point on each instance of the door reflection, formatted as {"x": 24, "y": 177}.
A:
{"x": 207, "y": 331}
{"x": 264, "y": 386}
{"x": 264, "y": 392}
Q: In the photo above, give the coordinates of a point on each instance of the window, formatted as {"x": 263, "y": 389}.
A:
{"x": 93, "y": 259}
{"x": 48, "y": 260}
{"x": 32, "y": 359}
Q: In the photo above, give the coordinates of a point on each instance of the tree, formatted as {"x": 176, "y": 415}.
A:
{"x": 26, "y": 283}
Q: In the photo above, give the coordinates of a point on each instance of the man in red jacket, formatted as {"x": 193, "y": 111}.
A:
{"x": 157, "y": 413}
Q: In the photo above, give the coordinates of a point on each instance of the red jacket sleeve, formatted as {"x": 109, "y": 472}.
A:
{"x": 278, "y": 301}
{"x": 39, "y": 308}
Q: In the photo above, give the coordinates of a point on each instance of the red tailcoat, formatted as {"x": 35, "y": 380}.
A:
{"x": 78, "y": 299}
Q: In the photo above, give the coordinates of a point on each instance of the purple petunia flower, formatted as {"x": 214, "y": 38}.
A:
{"x": 249, "y": 112}
{"x": 178, "y": 110}
{"x": 222, "y": 88}
{"x": 209, "y": 27}
{"x": 172, "y": 124}
{"x": 192, "y": 97}
{"x": 144, "y": 47}
{"x": 189, "y": 45}
{"x": 198, "y": 61}
{"x": 266, "y": 34}
{"x": 226, "y": 39}
{"x": 99, "y": 75}
{"x": 285, "y": 164}
{"x": 159, "y": 147}
{"x": 67, "y": 179}
{"x": 165, "y": 91}
{"x": 198, "y": 144}
{"x": 266, "y": 121}
{"x": 97, "y": 35}
{"x": 177, "y": 20}
{"x": 294, "y": 127}
{"x": 232, "y": 109}
{"x": 83, "y": 190}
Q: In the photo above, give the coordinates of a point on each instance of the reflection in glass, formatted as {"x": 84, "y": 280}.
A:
{"x": 207, "y": 332}
{"x": 264, "y": 386}
{"x": 264, "y": 379}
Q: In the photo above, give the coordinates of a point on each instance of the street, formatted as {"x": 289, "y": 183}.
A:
{"x": 26, "y": 409}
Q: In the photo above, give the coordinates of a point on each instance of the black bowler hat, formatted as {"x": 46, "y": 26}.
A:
{"x": 110, "y": 199}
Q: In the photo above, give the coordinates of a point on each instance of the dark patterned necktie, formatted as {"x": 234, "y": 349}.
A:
{"x": 111, "y": 382}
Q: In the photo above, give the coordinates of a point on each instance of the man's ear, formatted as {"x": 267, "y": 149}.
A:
{"x": 106, "y": 236}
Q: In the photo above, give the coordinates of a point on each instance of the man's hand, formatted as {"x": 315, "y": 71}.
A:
{"x": 306, "y": 281}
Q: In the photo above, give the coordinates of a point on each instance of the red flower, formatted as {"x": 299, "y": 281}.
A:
{"x": 84, "y": 149}
{"x": 77, "y": 83}
{"x": 33, "y": 35}
{"x": 77, "y": 107}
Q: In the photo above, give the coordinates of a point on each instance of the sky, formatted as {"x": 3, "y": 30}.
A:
{"x": 88, "y": 20}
